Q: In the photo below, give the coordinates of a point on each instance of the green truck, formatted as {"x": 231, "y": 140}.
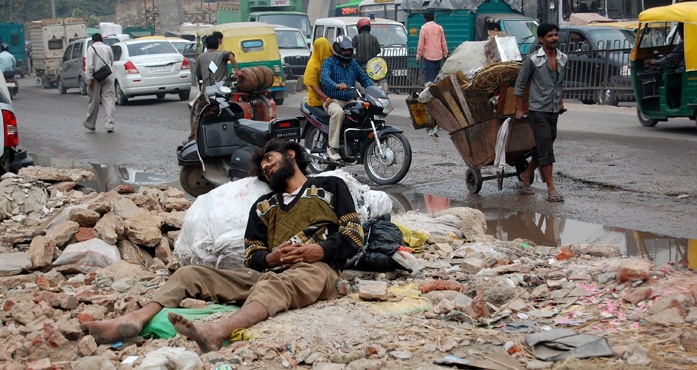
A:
{"x": 282, "y": 12}
{"x": 12, "y": 34}
{"x": 465, "y": 20}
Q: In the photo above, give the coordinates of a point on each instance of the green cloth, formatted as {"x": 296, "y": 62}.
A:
{"x": 160, "y": 327}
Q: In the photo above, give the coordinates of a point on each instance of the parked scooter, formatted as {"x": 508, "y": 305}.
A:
{"x": 225, "y": 142}
{"x": 365, "y": 138}
{"x": 12, "y": 84}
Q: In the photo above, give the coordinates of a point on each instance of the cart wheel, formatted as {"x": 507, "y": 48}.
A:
{"x": 474, "y": 180}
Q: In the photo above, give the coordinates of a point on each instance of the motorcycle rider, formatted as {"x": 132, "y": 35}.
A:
{"x": 366, "y": 44}
{"x": 339, "y": 72}
{"x": 7, "y": 60}
{"x": 220, "y": 58}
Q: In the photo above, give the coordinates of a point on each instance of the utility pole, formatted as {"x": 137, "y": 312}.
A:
{"x": 53, "y": 9}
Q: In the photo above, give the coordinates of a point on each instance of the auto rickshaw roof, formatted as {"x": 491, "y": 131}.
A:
{"x": 680, "y": 12}
{"x": 239, "y": 29}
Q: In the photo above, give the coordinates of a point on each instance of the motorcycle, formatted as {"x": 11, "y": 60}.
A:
{"x": 365, "y": 138}
{"x": 12, "y": 84}
{"x": 225, "y": 142}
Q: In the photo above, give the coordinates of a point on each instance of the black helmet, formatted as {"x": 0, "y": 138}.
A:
{"x": 341, "y": 44}
{"x": 4, "y": 47}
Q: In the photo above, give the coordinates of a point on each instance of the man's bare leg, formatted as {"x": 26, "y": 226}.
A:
{"x": 526, "y": 175}
{"x": 547, "y": 174}
{"x": 210, "y": 337}
{"x": 124, "y": 327}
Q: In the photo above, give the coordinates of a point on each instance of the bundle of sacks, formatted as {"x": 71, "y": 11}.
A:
{"x": 214, "y": 226}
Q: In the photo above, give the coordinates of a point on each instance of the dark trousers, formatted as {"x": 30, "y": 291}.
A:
{"x": 544, "y": 129}
{"x": 431, "y": 69}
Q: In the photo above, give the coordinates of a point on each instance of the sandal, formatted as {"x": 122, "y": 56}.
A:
{"x": 527, "y": 190}
{"x": 555, "y": 198}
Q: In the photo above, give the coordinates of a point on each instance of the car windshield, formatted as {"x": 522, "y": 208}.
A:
{"x": 153, "y": 47}
{"x": 523, "y": 30}
{"x": 613, "y": 38}
{"x": 387, "y": 34}
{"x": 288, "y": 39}
{"x": 180, "y": 45}
{"x": 658, "y": 34}
{"x": 299, "y": 21}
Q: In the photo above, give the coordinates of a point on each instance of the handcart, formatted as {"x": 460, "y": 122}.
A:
{"x": 477, "y": 146}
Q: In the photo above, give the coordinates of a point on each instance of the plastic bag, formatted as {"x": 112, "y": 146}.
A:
{"x": 214, "y": 225}
{"x": 91, "y": 253}
{"x": 382, "y": 239}
{"x": 160, "y": 327}
{"x": 167, "y": 358}
{"x": 407, "y": 260}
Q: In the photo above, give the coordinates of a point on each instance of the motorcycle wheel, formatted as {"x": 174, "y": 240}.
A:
{"x": 391, "y": 168}
{"x": 316, "y": 140}
{"x": 192, "y": 181}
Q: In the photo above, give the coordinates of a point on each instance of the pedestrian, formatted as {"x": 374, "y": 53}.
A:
{"x": 321, "y": 50}
{"x": 366, "y": 44}
{"x": 7, "y": 60}
{"x": 220, "y": 58}
{"x": 99, "y": 55}
{"x": 340, "y": 72}
{"x": 432, "y": 48}
{"x": 297, "y": 238}
{"x": 543, "y": 72}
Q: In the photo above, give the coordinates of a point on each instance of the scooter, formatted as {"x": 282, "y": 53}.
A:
{"x": 225, "y": 142}
{"x": 12, "y": 84}
{"x": 365, "y": 138}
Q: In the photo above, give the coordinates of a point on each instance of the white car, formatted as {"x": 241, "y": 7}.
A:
{"x": 149, "y": 67}
{"x": 294, "y": 51}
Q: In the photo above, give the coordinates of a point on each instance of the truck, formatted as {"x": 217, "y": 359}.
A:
{"x": 49, "y": 40}
{"x": 12, "y": 34}
{"x": 282, "y": 12}
{"x": 464, "y": 20}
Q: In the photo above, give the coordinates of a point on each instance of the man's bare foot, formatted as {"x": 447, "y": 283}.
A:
{"x": 525, "y": 179}
{"x": 207, "y": 336}
{"x": 111, "y": 331}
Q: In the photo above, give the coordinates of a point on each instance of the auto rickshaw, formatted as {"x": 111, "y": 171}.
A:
{"x": 664, "y": 87}
{"x": 254, "y": 44}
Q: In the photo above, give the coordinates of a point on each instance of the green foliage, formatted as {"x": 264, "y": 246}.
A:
{"x": 24, "y": 11}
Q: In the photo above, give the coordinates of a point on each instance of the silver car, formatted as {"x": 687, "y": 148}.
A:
{"x": 150, "y": 67}
{"x": 71, "y": 73}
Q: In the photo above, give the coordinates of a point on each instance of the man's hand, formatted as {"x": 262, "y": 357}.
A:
{"x": 327, "y": 102}
{"x": 89, "y": 85}
{"x": 519, "y": 113}
{"x": 342, "y": 86}
{"x": 273, "y": 259}
{"x": 308, "y": 253}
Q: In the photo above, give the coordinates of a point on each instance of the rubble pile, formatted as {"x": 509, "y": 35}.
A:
{"x": 476, "y": 302}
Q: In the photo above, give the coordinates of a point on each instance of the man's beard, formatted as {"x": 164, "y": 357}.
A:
{"x": 280, "y": 176}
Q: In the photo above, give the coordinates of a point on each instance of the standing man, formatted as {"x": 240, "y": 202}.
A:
{"x": 99, "y": 55}
{"x": 7, "y": 60}
{"x": 543, "y": 72}
{"x": 220, "y": 58}
{"x": 339, "y": 72}
{"x": 297, "y": 238}
{"x": 367, "y": 46}
{"x": 432, "y": 47}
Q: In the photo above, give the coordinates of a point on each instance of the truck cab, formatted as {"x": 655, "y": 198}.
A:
{"x": 289, "y": 19}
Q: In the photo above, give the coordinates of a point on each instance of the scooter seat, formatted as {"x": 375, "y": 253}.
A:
{"x": 317, "y": 111}
{"x": 253, "y": 132}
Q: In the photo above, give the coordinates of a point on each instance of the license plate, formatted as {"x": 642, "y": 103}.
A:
{"x": 160, "y": 69}
{"x": 380, "y": 118}
{"x": 400, "y": 72}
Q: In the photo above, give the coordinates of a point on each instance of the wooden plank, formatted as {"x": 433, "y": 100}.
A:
{"x": 454, "y": 108}
{"x": 461, "y": 97}
{"x": 442, "y": 116}
{"x": 478, "y": 102}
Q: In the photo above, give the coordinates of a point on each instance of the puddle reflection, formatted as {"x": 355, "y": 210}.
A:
{"x": 553, "y": 231}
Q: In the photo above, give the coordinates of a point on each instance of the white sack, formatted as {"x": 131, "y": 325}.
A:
{"x": 166, "y": 358}
{"x": 469, "y": 55}
{"x": 94, "y": 252}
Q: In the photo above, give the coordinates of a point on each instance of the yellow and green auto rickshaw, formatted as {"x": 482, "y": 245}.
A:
{"x": 254, "y": 44}
{"x": 664, "y": 63}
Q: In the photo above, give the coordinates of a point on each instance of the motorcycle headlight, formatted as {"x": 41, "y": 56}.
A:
{"x": 386, "y": 105}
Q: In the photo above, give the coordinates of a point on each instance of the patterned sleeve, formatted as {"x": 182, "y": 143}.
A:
{"x": 255, "y": 241}
{"x": 348, "y": 241}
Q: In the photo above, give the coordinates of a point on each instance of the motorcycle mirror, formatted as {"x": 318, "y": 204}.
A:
{"x": 212, "y": 67}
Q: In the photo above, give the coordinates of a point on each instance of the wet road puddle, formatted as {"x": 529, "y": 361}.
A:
{"x": 502, "y": 223}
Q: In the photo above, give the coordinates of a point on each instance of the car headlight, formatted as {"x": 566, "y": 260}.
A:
{"x": 386, "y": 105}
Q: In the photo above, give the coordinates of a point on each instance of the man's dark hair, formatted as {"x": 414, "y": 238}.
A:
{"x": 282, "y": 146}
{"x": 545, "y": 28}
{"x": 429, "y": 16}
{"x": 97, "y": 37}
{"x": 218, "y": 34}
{"x": 212, "y": 42}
